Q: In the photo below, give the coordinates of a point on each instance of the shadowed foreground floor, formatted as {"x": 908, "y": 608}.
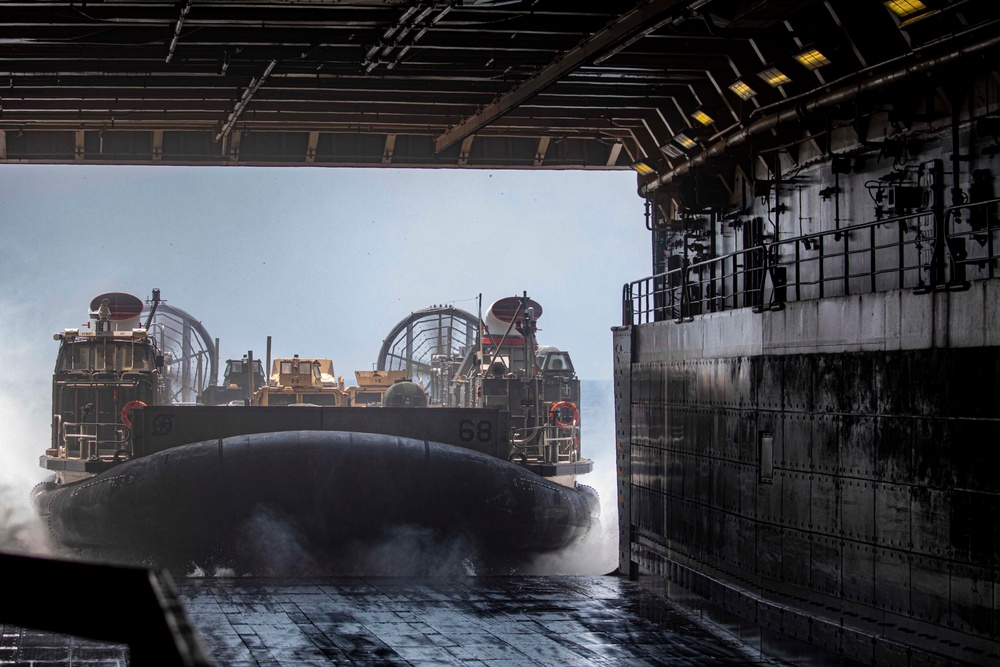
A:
{"x": 495, "y": 621}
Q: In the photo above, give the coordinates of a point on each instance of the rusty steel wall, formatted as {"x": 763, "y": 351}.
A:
{"x": 623, "y": 453}
{"x": 843, "y": 494}
{"x": 812, "y": 404}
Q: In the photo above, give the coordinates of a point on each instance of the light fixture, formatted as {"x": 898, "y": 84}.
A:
{"x": 685, "y": 141}
{"x": 670, "y": 150}
{"x": 774, "y": 76}
{"x": 812, "y": 58}
{"x": 702, "y": 117}
{"x": 642, "y": 168}
{"x": 905, "y": 8}
{"x": 744, "y": 91}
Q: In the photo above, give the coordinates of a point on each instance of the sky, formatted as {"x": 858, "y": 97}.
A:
{"x": 325, "y": 261}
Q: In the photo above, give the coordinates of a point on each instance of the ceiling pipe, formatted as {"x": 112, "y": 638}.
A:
{"x": 248, "y": 94}
{"x": 840, "y": 95}
{"x": 384, "y": 49}
{"x": 177, "y": 29}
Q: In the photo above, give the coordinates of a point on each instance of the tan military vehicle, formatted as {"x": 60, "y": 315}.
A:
{"x": 302, "y": 381}
{"x": 371, "y": 387}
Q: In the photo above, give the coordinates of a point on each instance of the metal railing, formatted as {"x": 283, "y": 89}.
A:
{"x": 900, "y": 252}
{"x": 88, "y": 440}
{"x": 974, "y": 247}
{"x": 551, "y": 443}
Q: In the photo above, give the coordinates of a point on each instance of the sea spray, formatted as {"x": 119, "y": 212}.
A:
{"x": 25, "y": 419}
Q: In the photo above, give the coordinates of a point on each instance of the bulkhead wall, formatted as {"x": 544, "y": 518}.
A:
{"x": 826, "y": 472}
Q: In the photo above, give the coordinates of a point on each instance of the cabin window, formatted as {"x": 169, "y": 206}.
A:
{"x": 320, "y": 399}
{"x": 140, "y": 358}
{"x": 286, "y": 368}
{"x": 558, "y": 362}
{"x": 75, "y": 358}
{"x": 104, "y": 359}
{"x": 280, "y": 399}
{"x": 128, "y": 357}
{"x": 106, "y": 356}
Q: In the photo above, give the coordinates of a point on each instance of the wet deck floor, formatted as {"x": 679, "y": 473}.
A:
{"x": 495, "y": 621}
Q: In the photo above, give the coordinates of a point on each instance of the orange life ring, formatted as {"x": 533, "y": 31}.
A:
{"x": 127, "y": 408}
{"x": 564, "y": 404}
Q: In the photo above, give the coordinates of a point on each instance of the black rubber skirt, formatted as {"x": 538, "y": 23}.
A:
{"x": 329, "y": 488}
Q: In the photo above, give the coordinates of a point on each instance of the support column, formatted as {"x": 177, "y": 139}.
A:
{"x": 615, "y": 152}
{"x": 390, "y": 146}
{"x": 311, "y": 147}
{"x": 233, "y": 147}
{"x": 79, "y": 150}
{"x": 463, "y": 153}
{"x": 157, "y": 145}
{"x": 543, "y": 148}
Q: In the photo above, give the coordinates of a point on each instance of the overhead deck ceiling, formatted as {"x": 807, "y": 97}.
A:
{"x": 438, "y": 83}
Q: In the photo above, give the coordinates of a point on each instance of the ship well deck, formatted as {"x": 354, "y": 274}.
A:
{"x": 564, "y": 620}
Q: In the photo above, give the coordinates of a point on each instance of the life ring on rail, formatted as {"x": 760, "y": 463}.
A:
{"x": 127, "y": 408}
{"x": 561, "y": 405}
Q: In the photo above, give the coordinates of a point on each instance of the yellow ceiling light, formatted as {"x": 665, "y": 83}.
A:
{"x": 702, "y": 117}
{"x": 744, "y": 91}
{"x": 685, "y": 141}
{"x": 812, "y": 59}
{"x": 775, "y": 76}
{"x": 905, "y": 8}
{"x": 642, "y": 168}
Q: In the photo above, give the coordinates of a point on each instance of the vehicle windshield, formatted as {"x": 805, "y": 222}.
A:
{"x": 236, "y": 372}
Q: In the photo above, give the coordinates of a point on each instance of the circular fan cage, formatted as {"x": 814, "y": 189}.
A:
{"x": 189, "y": 359}
{"x": 428, "y": 343}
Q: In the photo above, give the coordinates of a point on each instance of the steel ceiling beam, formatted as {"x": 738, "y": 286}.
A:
{"x": 639, "y": 22}
{"x": 550, "y": 85}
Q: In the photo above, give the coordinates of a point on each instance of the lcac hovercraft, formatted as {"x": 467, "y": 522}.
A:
{"x": 494, "y": 361}
{"x": 176, "y": 484}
